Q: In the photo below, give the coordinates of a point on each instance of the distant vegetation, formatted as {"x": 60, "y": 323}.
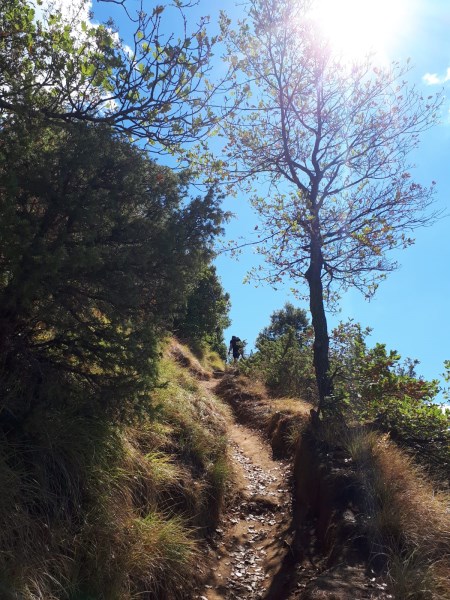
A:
{"x": 371, "y": 385}
{"x": 204, "y": 315}
{"x": 283, "y": 356}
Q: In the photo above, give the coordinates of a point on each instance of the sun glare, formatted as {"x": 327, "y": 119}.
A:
{"x": 357, "y": 27}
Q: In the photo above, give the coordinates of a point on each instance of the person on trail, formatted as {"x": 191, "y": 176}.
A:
{"x": 237, "y": 347}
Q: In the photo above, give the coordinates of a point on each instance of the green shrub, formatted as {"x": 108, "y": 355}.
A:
{"x": 283, "y": 359}
{"x": 284, "y": 366}
{"x": 371, "y": 384}
{"x": 205, "y": 314}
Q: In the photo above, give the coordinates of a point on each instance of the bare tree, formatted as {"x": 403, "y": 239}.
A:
{"x": 331, "y": 141}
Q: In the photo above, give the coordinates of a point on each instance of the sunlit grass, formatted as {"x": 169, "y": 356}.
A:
{"x": 93, "y": 511}
{"x": 292, "y": 405}
{"x": 407, "y": 521}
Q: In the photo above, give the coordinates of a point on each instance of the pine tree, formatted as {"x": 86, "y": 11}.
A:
{"x": 99, "y": 245}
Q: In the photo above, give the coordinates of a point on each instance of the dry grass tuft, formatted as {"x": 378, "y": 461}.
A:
{"x": 423, "y": 512}
{"x": 212, "y": 361}
{"x": 292, "y": 406}
{"x": 184, "y": 357}
{"x": 406, "y": 519}
{"x": 160, "y": 556}
{"x": 282, "y": 419}
{"x": 93, "y": 511}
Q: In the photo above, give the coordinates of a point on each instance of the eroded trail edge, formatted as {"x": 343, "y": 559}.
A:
{"x": 253, "y": 543}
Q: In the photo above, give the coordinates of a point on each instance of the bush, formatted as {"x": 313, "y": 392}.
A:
{"x": 99, "y": 245}
{"x": 283, "y": 366}
{"x": 371, "y": 384}
{"x": 205, "y": 315}
{"x": 283, "y": 358}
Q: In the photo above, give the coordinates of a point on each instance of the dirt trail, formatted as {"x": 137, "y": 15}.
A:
{"x": 252, "y": 554}
{"x": 253, "y": 543}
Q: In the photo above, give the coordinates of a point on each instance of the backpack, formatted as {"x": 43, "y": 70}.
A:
{"x": 238, "y": 345}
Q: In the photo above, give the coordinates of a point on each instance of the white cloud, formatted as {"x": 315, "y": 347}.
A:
{"x": 435, "y": 79}
{"x": 73, "y": 12}
{"x": 128, "y": 51}
{"x": 431, "y": 78}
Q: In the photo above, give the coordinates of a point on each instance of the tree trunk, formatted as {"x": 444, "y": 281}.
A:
{"x": 319, "y": 321}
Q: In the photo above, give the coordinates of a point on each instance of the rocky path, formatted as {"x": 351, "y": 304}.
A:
{"x": 253, "y": 544}
{"x": 251, "y": 556}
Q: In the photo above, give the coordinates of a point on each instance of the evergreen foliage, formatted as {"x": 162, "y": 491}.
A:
{"x": 283, "y": 357}
{"x": 98, "y": 248}
{"x": 288, "y": 319}
{"x": 205, "y": 314}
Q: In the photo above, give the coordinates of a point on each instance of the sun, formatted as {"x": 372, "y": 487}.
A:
{"x": 357, "y": 27}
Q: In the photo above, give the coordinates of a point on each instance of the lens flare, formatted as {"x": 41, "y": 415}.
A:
{"x": 358, "y": 27}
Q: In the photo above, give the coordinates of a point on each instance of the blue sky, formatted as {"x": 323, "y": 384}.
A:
{"x": 410, "y": 312}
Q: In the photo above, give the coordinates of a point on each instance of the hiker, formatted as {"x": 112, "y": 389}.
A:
{"x": 237, "y": 347}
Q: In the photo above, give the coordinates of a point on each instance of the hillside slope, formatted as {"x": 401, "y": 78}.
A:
{"x": 92, "y": 511}
{"x": 220, "y": 492}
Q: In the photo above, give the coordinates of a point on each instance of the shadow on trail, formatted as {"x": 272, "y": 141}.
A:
{"x": 299, "y": 564}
